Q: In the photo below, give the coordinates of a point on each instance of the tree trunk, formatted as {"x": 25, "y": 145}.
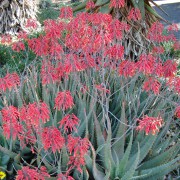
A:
{"x": 14, "y": 14}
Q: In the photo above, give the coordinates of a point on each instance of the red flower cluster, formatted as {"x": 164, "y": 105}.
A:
{"x": 11, "y": 125}
{"x": 26, "y": 173}
{"x": 34, "y": 113}
{"x": 150, "y": 124}
{"x": 90, "y": 5}
{"x": 146, "y": 63}
{"x": 134, "y": 14}
{"x": 117, "y": 3}
{"x": 31, "y": 23}
{"x": 169, "y": 68}
{"x": 9, "y": 81}
{"x": 152, "y": 84}
{"x": 18, "y": 46}
{"x": 52, "y": 139}
{"x": 173, "y": 27}
{"x": 174, "y": 83}
{"x": 6, "y": 39}
{"x": 64, "y": 100}
{"x": 69, "y": 122}
{"x": 78, "y": 148}
{"x": 66, "y": 13}
{"x": 127, "y": 68}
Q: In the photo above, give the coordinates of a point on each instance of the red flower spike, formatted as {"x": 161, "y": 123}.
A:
{"x": 134, "y": 14}
{"x": 66, "y": 13}
{"x": 152, "y": 84}
{"x": 9, "y": 81}
{"x": 146, "y": 63}
{"x": 158, "y": 50}
{"x": 34, "y": 113}
{"x": 117, "y": 3}
{"x": 31, "y": 23}
{"x": 115, "y": 52}
{"x": 176, "y": 46}
{"x": 169, "y": 68}
{"x": 18, "y": 46}
{"x": 90, "y": 5}
{"x": 26, "y": 173}
{"x": 174, "y": 83}
{"x": 155, "y": 33}
{"x": 173, "y": 27}
{"x": 69, "y": 122}
{"x": 127, "y": 68}
{"x": 49, "y": 73}
{"x": 64, "y": 100}
{"x": 52, "y": 139}
{"x": 6, "y": 39}
{"x": 10, "y": 114}
{"x": 11, "y": 125}
{"x": 78, "y": 148}
{"x": 150, "y": 124}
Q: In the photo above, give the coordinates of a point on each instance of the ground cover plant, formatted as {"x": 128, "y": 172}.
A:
{"x": 90, "y": 111}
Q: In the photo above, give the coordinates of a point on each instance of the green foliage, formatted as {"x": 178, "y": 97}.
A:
{"x": 49, "y": 13}
{"x": 117, "y": 151}
{"x": 12, "y": 61}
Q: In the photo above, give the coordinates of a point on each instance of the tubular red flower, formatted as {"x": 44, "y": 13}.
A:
{"x": 78, "y": 148}
{"x": 33, "y": 113}
{"x": 64, "y": 100}
{"x": 115, "y": 52}
{"x": 11, "y": 125}
{"x": 9, "y": 81}
{"x": 173, "y": 27}
{"x": 146, "y": 63}
{"x": 26, "y": 173}
{"x": 18, "y": 46}
{"x": 158, "y": 50}
{"x": 134, "y": 14}
{"x": 31, "y": 23}
{"x": 117, "y": 3}
{"x": 155, "y": 33}
{"x": 152, "y": 84}
{"x": 52, "y": 139}
{"x": 6, "y": 39}
{"x": 150, "y": 124}
{"x": 66, "y": 13}
{"x": 169, "y": 68}
{"x": 174, "y": 83}
{"x": 127, "y": 68}
{"x": 69, "y": 122}
{"x": 90, "y": 5}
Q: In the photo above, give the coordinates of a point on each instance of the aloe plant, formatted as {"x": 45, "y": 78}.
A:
{"x": 117, "y": 150}
{"x": 80, "y": 97}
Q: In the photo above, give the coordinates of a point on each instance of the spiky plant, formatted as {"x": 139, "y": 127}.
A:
{"x": 14, "y": 14}
{"x": 87, "y": 98}
{"x": 117, "y": 150}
